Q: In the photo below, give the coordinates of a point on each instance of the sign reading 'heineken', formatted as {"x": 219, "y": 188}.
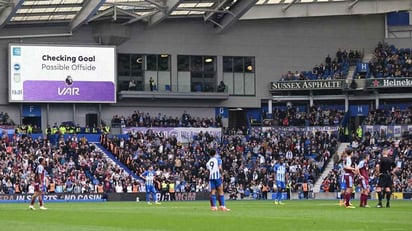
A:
{"x": 306, "y": 85}
{"x": 389, "y": 82}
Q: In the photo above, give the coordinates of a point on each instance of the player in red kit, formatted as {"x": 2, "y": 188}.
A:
{"x": 39, "y": 181}
{"x": 364, "y": 178}
{"x": 348, "y": 176}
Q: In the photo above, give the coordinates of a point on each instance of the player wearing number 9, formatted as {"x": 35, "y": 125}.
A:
{"x": 214, "y": 165}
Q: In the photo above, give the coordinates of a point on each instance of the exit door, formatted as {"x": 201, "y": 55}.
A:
{"x": 31, "y": 115}
{"x": 91, "y": 120}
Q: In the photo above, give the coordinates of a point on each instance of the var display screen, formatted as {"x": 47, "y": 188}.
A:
{"x": 54, "y": 73}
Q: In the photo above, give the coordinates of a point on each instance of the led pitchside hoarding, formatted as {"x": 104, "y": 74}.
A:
{"x": 47, "y": 73}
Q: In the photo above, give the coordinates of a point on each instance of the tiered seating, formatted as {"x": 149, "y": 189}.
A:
{"x": 247, "y": 162}
{"x": 142, "y": 119}
{"x": 389, "y": 61}
{"x": 401, "y": 153}
{"x": 316, "y": 116}
{"x": 73, "y": 165}
{"x": 333, "y": 68}
{"x": 389, "y": 117}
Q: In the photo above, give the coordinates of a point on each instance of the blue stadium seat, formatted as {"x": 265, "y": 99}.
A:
{"x": 312, "y": 76}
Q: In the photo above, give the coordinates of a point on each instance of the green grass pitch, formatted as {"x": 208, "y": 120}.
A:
{"x": 180, "y": 216}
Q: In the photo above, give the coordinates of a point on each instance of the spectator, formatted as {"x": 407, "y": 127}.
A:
{"x": 221, "y": 87}
{"x": 132, "y": 85}
{"x": 151, "y": 83}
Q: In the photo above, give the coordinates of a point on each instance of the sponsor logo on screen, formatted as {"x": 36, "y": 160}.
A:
{"x": 17, "y": 77}
{"x": 16, "y": 51}
{"x": 16, "y": 66}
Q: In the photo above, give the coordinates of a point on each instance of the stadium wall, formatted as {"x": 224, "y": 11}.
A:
{"x": 400, "y": 42}
{"x": 98, "y": 197}
{"x": 191, "y": 196}
{"x": 278, "y": 45}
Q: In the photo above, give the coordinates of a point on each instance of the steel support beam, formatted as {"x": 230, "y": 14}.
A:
{"x": 237, "y": 11}
{"x": 316, "y": 9}
{"x": 88, "y": 10}
{"x": 210, "y": 13}
{"x": 352, "y": 3}
{"x": 285, "y": 8}
{"x": 9, "y": 11}
{"x": 171, "y": 5}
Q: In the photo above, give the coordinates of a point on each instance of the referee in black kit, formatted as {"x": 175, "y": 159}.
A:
{"x": 385, "y": 168}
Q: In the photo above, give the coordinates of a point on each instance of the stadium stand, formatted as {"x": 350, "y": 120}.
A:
{"x": 114, "y": 165}
{"x": 389, "y": 61}
{"x": 73, "y": 165}
{"x": 373, "y": 144}
{"x": 333, "y": 68}
{"x": 142, "y": 119}
{"x": 395, "y": 116}
{"x": 315, "y": 116}
{"x": 247, "y": 159}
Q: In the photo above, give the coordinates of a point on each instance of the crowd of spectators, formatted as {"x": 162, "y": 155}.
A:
{"x": 73, "y": 166}
{"x": 400, "y": 151}
{"x": 336, "y": 67}
{"x": 248, "y": 159}
{"x": 76, "y": 166}
{"x": 389, "y": 61}
{"x": 395, "y": 116}
{"x": 315, "y": 116}
{"x": 142, "y": 119}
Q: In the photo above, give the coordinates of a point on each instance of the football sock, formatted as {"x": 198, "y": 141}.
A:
{"x": 154, "y": 197}
{"x": 279, "y": 195}
{"x": 388, "y": 197}
{"x": 362, "y": 199}
{"x": 222, "y": 200}
{"x": 380, "y": 196}
{"x": 347, "y": 198}
{"x": 213, "y": 200}
{"x": 365, "y": 199}
{"x": 41, "y": 201}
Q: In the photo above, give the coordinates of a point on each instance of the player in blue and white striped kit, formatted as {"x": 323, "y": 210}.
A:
{"x": 149, "y": 176}
{"x": 214, "y": 165}
{"x": 342, "y": 182}
{"x": 280, "y": 174}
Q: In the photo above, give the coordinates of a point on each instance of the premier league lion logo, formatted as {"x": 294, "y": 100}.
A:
{"x": 69, "y": 80}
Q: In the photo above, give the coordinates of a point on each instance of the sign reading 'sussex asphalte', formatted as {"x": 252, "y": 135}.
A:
{"x": 54, "y": 73}
{"x": 306, "y": 85}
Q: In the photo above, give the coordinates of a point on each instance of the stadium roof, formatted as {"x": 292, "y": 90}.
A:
{"x": 221, "y": 13}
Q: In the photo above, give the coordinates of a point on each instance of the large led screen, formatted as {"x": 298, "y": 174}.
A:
{"x": 47, "y": 73}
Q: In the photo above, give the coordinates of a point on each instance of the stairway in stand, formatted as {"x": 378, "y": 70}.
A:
{"x": 329, "y": 167}
{"x": 110, "y": 156}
